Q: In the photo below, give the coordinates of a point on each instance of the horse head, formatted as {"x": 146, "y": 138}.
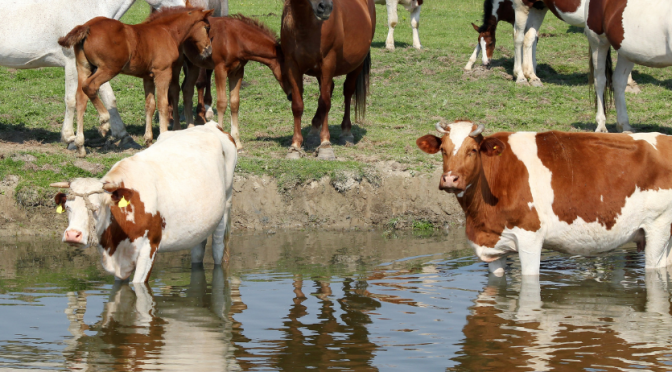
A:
{"x": 487, "y": 41}
{"x": 322, "y": 8}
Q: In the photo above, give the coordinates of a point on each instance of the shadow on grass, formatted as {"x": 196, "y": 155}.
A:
{"x": 19, "y": 133}
{"x": 639, "y": 128}
{"x": 397, "y": 44}
{"x": 546, "y": 73}
{"x": 311, "y": 143}
{"x": 648, "y": 79}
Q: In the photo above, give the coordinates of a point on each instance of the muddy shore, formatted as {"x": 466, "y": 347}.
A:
{"x": 395, "y": 200}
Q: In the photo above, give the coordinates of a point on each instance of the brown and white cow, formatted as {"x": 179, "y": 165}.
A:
{"x": 169, "y": 197}
{"x": 578, "y": 193}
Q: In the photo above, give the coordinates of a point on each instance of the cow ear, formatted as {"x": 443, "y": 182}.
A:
{"x": 492, "y": 146}
{"x": 60, "y": 199}
{"x": 430, "y": 144}
{"x": 122, "y": 193}
{"x": 475, "y": 27}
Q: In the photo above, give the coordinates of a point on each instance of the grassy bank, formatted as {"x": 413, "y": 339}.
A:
{"x": 410, "y": 91}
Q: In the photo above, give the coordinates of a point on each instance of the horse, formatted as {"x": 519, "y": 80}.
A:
{"x": 235, "y": 41}
{"x": 639, "y": 33}
{"x": 326, "y": 38}
{"x": 413, "y": 6}
{"x": 37, "y": 47}
{"x": 151, "y": 50}
{"x": 494, "y": 11}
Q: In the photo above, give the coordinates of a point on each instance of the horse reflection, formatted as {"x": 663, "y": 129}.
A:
{"x": 517, "y": 325}
{"x": 140, "y": 330}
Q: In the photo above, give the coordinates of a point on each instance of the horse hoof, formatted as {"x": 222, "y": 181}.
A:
{"x": 241, "y": 151}
{"x": 293, "y": 153}
{"x": 536, "y": 83}
{"x": 347, "y": 140}
{"x": 601, "y": 130}
{"x": 634, "y": 89}
{"x": 522, "y": 82}
{"x": 209, "y": 113}
{"x": 81, "y": 152}
{"x": 326, "y": 153}
{"x": 72, "y": 146}
{"x": 128, "y": 143}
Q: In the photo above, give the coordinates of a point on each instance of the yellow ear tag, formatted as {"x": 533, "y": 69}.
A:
{"x": 123, "y": 203}
{"x": 494, "y": 147}
{"x": 59, "y": 210}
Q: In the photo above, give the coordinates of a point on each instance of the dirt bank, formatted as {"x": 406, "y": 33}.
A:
{"x": 396, "y": 199}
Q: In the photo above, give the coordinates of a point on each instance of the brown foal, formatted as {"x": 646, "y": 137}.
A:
{"x": 150, "y": 50}
{"x": 327, "y": 38}
{"x": 235, "y": 41}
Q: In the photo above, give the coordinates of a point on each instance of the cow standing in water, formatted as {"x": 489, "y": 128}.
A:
{"x": 169, "y": 197}
{"x": 525, "y": 191}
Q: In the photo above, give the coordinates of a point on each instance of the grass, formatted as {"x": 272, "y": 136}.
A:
{"x": 410, "y": 91}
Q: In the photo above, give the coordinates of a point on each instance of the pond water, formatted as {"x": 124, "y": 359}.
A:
{"x": 362, "y": 301}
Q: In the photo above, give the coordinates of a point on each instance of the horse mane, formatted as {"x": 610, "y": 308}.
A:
{"x": 256, "y": 24}
{"x": 487, "y": 13}
{"x": 166, "y": 11}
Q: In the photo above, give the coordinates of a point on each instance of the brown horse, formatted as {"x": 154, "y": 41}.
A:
{"x": 105, "y": 48}
{"x": 235, "y": 41}
{"x": 327, "y": 38}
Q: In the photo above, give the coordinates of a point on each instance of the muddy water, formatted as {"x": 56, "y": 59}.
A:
{"x": 351, "y": 301}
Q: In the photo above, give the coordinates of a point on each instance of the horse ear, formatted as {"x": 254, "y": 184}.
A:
{"x": 187, "y": 4}
{"x": 208, "y": 13}
{"x": 475, "y": 27}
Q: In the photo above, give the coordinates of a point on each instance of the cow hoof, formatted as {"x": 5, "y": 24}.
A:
{"x": 326, "y": 153}
{"x": 634, "y": 89}
{"x": 347, "y": 140}
{"x": 536, "y": 83}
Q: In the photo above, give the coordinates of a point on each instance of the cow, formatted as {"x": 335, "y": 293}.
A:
{"x": 413, "y": 6}
{"x": 169, "y": 197}
{"x": 576, "y": 193}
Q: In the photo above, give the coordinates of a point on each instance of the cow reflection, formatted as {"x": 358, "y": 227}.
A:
{"x": 139, "y": 330}
{"x": 519, "y": 325}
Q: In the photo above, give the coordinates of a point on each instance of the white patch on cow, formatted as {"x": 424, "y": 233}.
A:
{"x": 461, "y": 194}
{"x": 524, "y": 146}
{"x": 459, "y": 132}
{"x": 128, "y": 211}
{"x": 531, "y": 205}
{"x": 602, "y": 198}
{"x": 651, "y": 138}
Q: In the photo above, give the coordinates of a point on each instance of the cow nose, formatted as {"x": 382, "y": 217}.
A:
{"x": 449, "y": 180}
{"x": 73, "y": 236}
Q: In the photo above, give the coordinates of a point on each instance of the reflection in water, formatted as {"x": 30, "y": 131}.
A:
{"x": 595, "y": 320}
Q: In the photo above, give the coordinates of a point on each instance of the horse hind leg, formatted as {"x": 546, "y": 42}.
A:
{"x": 235, "y": 82}
{"x": 392, "y": 20}
{"x": 71, "y": 83}
{"x": 349, "y": 87}
{"x": 620, "y": 77}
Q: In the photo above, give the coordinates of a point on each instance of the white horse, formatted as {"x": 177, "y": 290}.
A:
{"x": 413, "y": 6}
{"x": 30, "y": 30}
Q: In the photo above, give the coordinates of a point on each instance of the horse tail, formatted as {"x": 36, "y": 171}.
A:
{"x": 362, "y": 89}
{"x": 608, "y": 98}
{"x": 74, "y": 37}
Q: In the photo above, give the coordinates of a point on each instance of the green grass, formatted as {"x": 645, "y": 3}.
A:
{"x": 410, "y": 91}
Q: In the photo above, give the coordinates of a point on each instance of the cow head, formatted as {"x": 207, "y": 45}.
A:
{"x": 486, "y": 40}
{"x": 461, "y": 146}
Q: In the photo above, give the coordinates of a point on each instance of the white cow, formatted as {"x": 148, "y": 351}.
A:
{"x": 169, "y": 197}
{"x": 412, "y": 6}
{"x": 30, "y": 30}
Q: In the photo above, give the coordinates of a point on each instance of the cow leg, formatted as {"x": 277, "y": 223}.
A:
{"x": 392, "y": 21}
{"x": 529, "y": 245}
{"x": 658, "y": 244}
{"x": 498, "y": 266}
{"x": 190, "y": 78}
{"x": 220, "y": 252}
{"x": 145, "y": 260}
{"x": 235, "y": 82}
{"x": 534, "y": 20}
{"x": 295, "y": 80}
{"x": 144, "y": 304}
{"x": 349, "y": 87}
{"x": 198, "y": 252}
{"x": 519, "y": 26}
{"x": 67, "y": 131}
{"x": 415, "y": 23}
{"x": 599, "y": 48}
{"x": 150, "y": 107}
{"x": 620, "y": 80}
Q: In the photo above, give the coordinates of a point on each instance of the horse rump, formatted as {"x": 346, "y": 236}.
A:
{"x": 74, "y": 37}
{"x": 362, "y": 88}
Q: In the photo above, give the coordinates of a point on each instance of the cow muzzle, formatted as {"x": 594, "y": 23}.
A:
{"x": 73, "y": 237}
{"x": 450, "y": 182}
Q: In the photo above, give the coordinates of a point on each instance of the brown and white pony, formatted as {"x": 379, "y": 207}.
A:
{"x": 413, "y": 7}
{"x": 235, "y": 41}
{"x": 493, "y": 12}
{"x": 150, "y": 50}
{"x": 327, "y": 38}
{"x": 640, "y": 33}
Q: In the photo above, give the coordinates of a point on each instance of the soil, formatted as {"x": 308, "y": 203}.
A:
{"x": 397, "y": 199}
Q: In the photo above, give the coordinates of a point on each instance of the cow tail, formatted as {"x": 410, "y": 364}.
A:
{"x": 362, "y": 89}
{"x": 608, "y": 99}
{"x": 74, "y": 37}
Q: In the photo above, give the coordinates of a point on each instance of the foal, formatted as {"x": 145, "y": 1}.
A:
{"x": 235, "y": 41}
{"x": 105, "y": 48}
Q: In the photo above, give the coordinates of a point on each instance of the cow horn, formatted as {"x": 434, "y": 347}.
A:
{"x": 110, "y": 186}
{"x": 477, "y": 131}
{"x": 62, "y": 185}
{"x": 441, "y": 129}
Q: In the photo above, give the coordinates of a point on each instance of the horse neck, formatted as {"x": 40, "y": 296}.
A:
{"x": 116, "y": 8}
{"x": 297, "y": 12}
{"x": 178, "y": 28}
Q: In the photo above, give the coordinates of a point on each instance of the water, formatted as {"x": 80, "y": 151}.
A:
{"x": 362, "y": 301}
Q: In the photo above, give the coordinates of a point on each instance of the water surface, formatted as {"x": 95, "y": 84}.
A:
{"x": 364, "y": 301}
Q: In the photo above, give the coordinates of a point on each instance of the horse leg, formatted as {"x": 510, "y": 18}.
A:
{"x": 162, "y": 81}
{"x": 599, "y": 48}
{"x": 235, "y": 81}
{"x": 415, "y": 23}
{"x": 204, "y": 107}
{"x": 392, "y": 21}
{"x": 150, "y": 107}
{"x": 349, "y": 87}
{"x": 90, "y": 87}
{"x": 116, "y": 124}
{"x": 325, "y": 151}
{"x": 81, "y": 101}
{"x": 188, "y": 91}
{"x": 319, "y": 113}
{"x": 632, "y": 86}
{"x": 474, "y": 57}
{"x": 295, "y": 80}
{"x": 521, "y": 13}
{"x": 174, "y": 95}
{"x": 620, "y": 78}
{"x": 209, "y": 113}
{"x": 534, "y": 20}
{"x": 221, "y": 73}
{"x": 71, "y": 82}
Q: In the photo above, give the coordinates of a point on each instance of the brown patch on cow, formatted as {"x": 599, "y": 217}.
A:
{"x": 227, "y": 133}
{"x": 500, "y": 196}
{"x": 565, "y": 6}
{"x": 143, "y": 222}
{"x": 606, "y": 17}
{"x": 594, "y": 173}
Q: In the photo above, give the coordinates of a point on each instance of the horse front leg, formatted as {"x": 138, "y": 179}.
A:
{"x": 204, "y": 110}
{"x": 162, "y": 82}
{"x": 392, "y": 20}
{"x": 150, "y": 107}
{"x": 534, "y": 20}
{"x": 325, "y": 151}
{"x": 174, "y": 95}
{"x": 415, "y": 24}
{"x": 188, "y": 91}
{"x": 521, "y": 13}
{"x": 221, "y": 73}
{"x": 71, "y": 89}
{"x": 295, "y": 80}
{"x": 321, "y": 111}
{"x": 235, "y": 82}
